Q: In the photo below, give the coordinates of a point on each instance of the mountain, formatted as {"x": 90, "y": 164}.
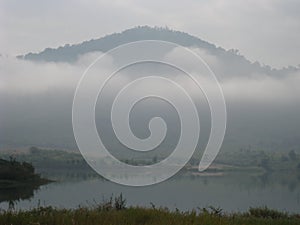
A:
{"x": 70, "y": 53}
{"x": 263, "y": 109}
{"x": 233, "y": 63}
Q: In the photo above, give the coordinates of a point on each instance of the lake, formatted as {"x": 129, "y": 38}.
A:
{"x": 231, "y": 192}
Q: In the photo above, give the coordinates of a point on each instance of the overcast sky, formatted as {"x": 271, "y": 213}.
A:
{"x": 263, "y": 30}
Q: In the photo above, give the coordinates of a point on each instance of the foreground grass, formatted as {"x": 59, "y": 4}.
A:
{"x": 136, "y": 215}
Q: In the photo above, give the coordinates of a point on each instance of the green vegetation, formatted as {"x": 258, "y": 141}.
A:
{"x": 264, "y": 212}
{"x": 18, "y": 181}
{"x": 14, "y": 174}
{"x": 13, "y": 170}
{"x": 112, "y": 214}
{"x": 52, "y": 163}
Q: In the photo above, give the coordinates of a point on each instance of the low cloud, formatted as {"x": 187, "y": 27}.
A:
{"x": 36, "y": 100}
{"x": 20, "y": 77}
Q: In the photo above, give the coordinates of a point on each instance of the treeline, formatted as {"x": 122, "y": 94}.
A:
{"x": 13, "y": 170}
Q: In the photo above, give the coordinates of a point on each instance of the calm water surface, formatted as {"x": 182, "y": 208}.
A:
{"x": 235, "y": 192}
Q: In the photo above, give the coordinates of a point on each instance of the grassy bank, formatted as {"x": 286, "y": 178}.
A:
{"x": 117, "y": 215}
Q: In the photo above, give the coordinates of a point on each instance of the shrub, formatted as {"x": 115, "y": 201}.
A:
{"x": 264, "y": 212}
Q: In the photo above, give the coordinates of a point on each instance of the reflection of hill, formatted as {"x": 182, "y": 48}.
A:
{"x": 17, "y": 193}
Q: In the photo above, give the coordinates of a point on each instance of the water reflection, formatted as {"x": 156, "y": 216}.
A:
{"x": 19, "y": 193}
{"x": 232, "y": 192}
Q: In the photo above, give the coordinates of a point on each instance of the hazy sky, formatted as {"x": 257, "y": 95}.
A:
{"x": 263, "y": 30}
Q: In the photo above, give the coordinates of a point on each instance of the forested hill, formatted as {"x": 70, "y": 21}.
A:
{"x": 228, "y": 58}
{"x": 69, "y": 53}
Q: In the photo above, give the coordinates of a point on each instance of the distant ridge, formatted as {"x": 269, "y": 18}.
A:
{"x": 70, "y": 53}
{"x": 230, "y": 58}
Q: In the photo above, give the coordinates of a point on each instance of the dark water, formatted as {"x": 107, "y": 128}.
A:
{"x": 234, "y": 192}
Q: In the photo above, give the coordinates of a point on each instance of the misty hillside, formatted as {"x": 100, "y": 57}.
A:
{"x": 234, "y": 64}
{"x": 36, "y": 98}
{"x": 70, "y": 53}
